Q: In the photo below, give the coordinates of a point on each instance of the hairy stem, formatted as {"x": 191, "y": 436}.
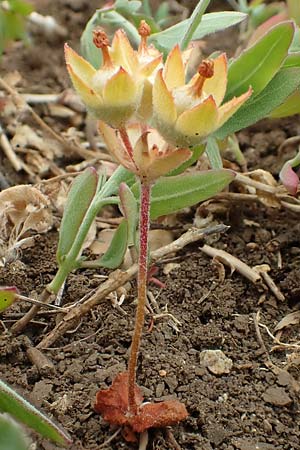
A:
{"x": 127, "y": 143}
{"x": 142, "y": 293}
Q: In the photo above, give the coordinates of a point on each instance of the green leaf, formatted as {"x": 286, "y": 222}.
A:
{"x": 8, "y": 295}
{"x": 12, "y": 436}
{"x": 258, "y": 64}
{"x": 193, "y": 23}
{"x": 262, "y": 13}
{"x": 162, "y": 12}
{"x": 147, "y": 7}
{"x": 294, "y": 10}
{"x": 210, "y": 23}
{"x": 285, "y": 82}
{"x": 295, "y": 46}
{"x": 79, "y": 198}
{"x": 126, "y": 7}
{"x": 20, "y": 7}
{"x": 88, "y": 49}
{"x": 213, "y": 153}
{"x": 23, "y": 411}
{"x": 115, "y": 253}
{"x": 171, "y": 194}
{"x": 290, "y": 107}
{"x": 292, "y": 60}
{"x": 130, "y": 211}
{"x": 112, "y": 185}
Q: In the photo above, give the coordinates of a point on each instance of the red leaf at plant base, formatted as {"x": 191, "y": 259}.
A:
{"x": 158, "y": 415}
{"x": 112, "y": 404}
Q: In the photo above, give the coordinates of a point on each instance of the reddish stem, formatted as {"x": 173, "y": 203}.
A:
{"x": 127, "y": 144}
{"x": 142, "y": 294}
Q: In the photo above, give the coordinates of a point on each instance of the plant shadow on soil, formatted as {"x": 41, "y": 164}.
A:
{"x": 251, "y": 407}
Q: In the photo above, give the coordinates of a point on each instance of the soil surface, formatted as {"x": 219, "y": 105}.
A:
{"x": 251, "y": 400}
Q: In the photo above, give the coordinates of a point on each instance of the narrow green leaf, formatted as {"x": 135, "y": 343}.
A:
{"x": 194, "y": 23}
{"x": 88, "y": 49}
{"x": 115, "y": 253}
{"x": 126, "y": 7}
{"x": 295, "y": 46}
{"x": 12, "y": 436}
{"x": 162, "y": 12}
{"x": 23, "y": 411}
{"x": 294, "y": 10}
{"x": 258, "y": 64}
{"x": 290, "y": 107}
{"x": 171, "y": 194}
{"x": 292, "y": 60}
{"x": 213, "y": 153}
{"x": 130, "y": 211}
{"x": 147, "y": 7}
{"x": 285, "y": 82}
{"x": 79, "y": 199}
{"x": 111, "y": 187}
{"x": 20, "y": 7}
{"x": 210, "y": 23}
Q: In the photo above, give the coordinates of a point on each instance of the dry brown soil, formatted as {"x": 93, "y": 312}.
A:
{"x": 256, "y": 404}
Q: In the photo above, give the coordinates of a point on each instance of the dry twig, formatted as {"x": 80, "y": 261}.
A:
{"x": 233, "y": 262}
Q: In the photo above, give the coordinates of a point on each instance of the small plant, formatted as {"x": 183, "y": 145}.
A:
{"x": 12, "y": 20}
{"x": 131, "y": 90}
{"x": 156, "y": 123}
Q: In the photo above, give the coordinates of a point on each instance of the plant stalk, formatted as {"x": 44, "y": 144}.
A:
{"x": 142, "y": 294}
{"x": 127, "y": 143}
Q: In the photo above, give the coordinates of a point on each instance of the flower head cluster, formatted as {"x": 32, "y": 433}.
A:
{"x": 148, "y": 114}
{"x": 186, "y": 113}
{"x": 121, "y": 87}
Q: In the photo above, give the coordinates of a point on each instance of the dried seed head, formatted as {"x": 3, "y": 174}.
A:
{"x": 205, "y": 70}
{"x": 144, "y": 32}
{"x": 144, "y": 29}
{"x": 101, "y": 41}
{"x": 100, "y": 38}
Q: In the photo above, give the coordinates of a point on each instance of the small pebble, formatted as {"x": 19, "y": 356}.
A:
{"x": 216, "y": 361}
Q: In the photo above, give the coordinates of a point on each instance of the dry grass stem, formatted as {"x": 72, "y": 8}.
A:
{"x": 243, "y": 179}
{"x": 233, "y": 262}
{"x": 16, "y": 163}
{"x": 263, "y": 270}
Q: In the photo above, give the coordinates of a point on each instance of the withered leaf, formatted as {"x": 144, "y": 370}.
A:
{"x": 112, "y": 404}
{"x": 291, "y": 319}
{"x": 158, "y": 415}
